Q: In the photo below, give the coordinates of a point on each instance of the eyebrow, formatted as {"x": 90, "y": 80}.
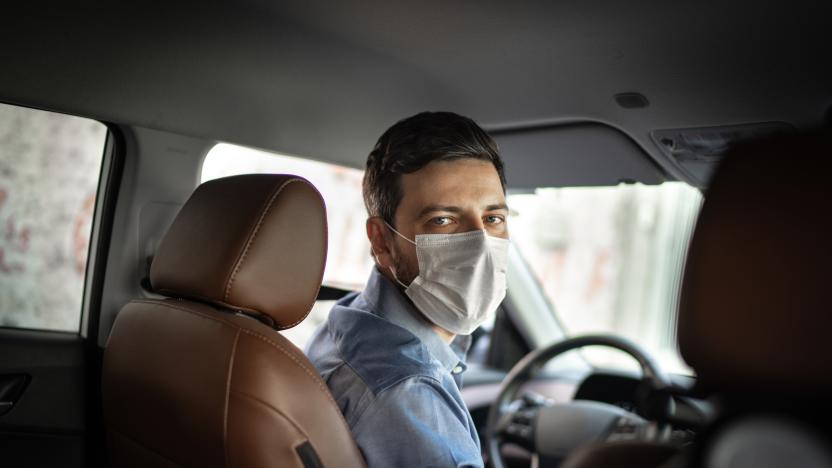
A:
{"x": 456, "y": 209}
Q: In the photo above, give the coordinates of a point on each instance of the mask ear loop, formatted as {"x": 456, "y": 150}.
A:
{"x": 393, "y": 270}
{"x": 397, "y": 232}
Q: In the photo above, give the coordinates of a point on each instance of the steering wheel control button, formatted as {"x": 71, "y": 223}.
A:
{"x": 536, "y": 399}
{"x": 625, "y": 429}
{"x": 520, "y": 435}
{"x": 519, "y": 427}
{"x": 525, "y": 417}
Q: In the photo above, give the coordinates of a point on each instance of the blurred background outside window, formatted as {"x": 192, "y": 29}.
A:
{"x": 610, "y": 259}
{"x": 50, "y": 165}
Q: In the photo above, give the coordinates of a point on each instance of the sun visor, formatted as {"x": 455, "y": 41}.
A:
{"x": 698, "y": 151}
{"x": 587, "y": 154}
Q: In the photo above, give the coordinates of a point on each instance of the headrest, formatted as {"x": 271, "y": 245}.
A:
{"x": 254, "y": 243}
{"x": 756, "y": 298}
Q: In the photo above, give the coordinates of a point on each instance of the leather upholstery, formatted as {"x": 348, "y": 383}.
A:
{"x": 754, "y": 312}
{"x": 255, "y": 243}
{"x": 189, "y": 383}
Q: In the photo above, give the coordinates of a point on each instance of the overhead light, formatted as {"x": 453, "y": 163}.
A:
{"x": 631, "y": 100}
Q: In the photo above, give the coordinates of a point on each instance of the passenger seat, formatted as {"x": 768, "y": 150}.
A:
{"x": 202, "y": 378}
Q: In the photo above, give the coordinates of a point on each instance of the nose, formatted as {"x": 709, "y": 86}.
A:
{"x": 475, "y": 223}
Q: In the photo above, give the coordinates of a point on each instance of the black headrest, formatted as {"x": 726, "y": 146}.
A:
{"x": 756, "y": 302}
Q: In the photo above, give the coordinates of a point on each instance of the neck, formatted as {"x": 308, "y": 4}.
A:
{"x": 446, "y": 336}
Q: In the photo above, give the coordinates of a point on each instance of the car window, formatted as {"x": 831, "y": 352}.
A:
{"x": 610, "y": 260}
{"x": 348, "y": 261}
{"x": 50, "y": 165}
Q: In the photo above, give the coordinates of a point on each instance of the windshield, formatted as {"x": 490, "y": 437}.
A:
{"x": 610, "y": 259}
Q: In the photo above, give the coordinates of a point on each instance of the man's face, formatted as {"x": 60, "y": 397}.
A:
{"x": 445, "y": 197}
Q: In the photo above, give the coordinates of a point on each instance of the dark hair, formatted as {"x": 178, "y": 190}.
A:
{"x": 412, "y": 144}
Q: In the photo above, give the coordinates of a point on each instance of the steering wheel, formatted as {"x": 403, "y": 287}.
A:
{"x": 551, "y": 432}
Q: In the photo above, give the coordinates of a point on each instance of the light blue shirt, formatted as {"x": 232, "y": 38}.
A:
{"x": 396, "y": 381}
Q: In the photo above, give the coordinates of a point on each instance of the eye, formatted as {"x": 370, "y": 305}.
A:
{"x": 441, "y": 221}
{"x": 495, "y": 219}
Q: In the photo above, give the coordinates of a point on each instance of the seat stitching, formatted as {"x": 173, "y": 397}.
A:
{"x": 315, "y": 376}
{"x": 276, "y": 410}
{"x": 231, "y": 362}
{"x": 326, "y": 247}
{"x": 243, "y": 247}
{"x": 238, "y": 265}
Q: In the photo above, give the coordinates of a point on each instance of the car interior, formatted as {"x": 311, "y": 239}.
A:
{"x": 180, "y": 206}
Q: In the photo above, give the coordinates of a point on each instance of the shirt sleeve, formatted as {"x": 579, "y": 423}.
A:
{"x": 416, "y": 423}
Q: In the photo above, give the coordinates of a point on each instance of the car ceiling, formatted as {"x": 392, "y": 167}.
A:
{"x": 324, "y": 79}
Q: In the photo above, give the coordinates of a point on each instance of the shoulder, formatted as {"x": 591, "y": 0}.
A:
{"x": 425, "y": 395}
{"x": 432, "y": 427}
{"x": 381, "y": 353}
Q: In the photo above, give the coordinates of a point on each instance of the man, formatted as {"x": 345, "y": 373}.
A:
{"x": 393, "y": 355}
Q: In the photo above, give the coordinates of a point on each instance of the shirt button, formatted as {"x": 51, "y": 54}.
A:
{"x": 457, "y": 369}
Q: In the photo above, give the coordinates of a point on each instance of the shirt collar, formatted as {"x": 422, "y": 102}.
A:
{"x": 385, "y": 300}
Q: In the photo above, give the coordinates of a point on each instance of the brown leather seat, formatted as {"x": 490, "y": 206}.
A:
{"x": 203, "y": 379}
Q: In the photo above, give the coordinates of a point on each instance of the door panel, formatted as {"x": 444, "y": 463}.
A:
{"x": 45, "y": 426}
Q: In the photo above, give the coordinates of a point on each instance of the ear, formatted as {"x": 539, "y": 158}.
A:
{"x": 378, "y": 234}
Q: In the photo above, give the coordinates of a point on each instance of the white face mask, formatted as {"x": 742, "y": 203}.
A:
{"x": 462, "y": 278}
